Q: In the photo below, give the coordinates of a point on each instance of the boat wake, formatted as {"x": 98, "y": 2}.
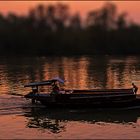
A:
{"x": 14, "y": 104}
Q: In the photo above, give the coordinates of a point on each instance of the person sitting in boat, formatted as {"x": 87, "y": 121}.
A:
{"x": 34, "y": 89}
{"x": 55, "y": 87}
{"x": 135, "y": 88}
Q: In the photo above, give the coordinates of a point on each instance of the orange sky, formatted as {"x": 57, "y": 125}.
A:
{"x": 21, "y": 7}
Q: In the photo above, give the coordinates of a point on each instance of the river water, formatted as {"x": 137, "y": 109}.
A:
{"x": 20, "y": 119}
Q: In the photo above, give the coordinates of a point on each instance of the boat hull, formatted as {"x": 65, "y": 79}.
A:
{"x": 114, "y": 98}
{"x": 92, "y": 104}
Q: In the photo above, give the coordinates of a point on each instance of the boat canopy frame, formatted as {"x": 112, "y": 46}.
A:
{"x": 43, "y": 83}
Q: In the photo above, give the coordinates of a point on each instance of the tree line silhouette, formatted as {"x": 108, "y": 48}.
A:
{"x": 52, "y": 29}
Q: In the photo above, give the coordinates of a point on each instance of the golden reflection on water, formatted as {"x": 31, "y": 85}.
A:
{"x": 79, "y": 72}
{"x": 83, "y": 72}
{"x": 74, "y": 71}
{"x": 122, "y": 72}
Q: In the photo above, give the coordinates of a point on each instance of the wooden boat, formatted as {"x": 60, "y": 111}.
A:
{"x": 95, "y": 98}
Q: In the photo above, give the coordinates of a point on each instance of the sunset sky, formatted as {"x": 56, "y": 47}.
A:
{"x": 21, "y": 7}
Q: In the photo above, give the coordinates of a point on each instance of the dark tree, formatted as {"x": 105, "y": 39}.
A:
{"x": 121, "y": 21}
{"x": 52, "y": 29}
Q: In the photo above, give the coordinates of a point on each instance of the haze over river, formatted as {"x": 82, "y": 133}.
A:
{"x": 20, "y": 119}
